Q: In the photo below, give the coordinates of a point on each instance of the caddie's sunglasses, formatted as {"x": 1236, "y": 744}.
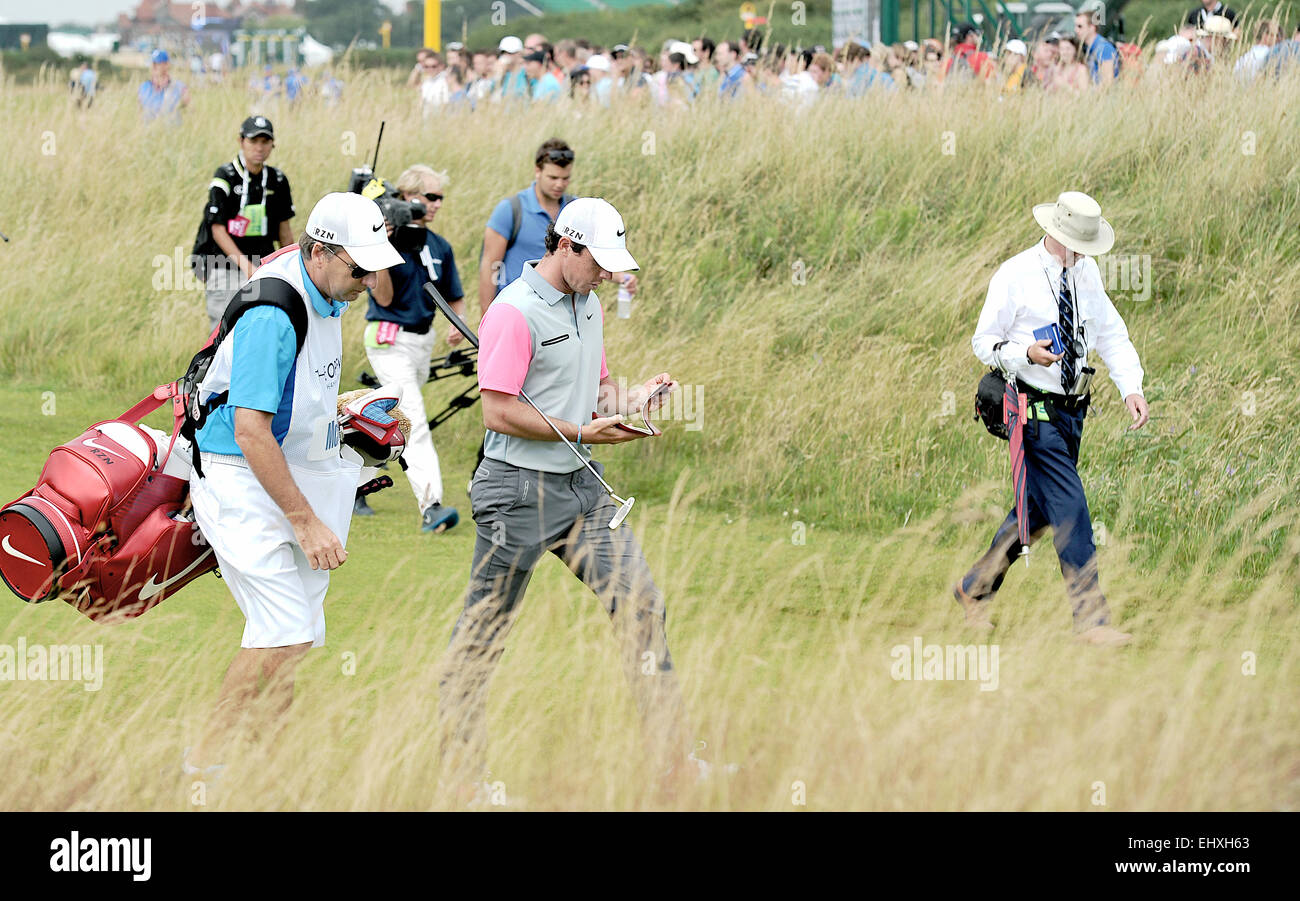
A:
{"x": 431, "y": 197}
{"x": 559, "y": 157}
{"x": 357, "y": 272}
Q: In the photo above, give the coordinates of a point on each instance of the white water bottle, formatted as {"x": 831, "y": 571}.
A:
{"x": 624, "y": 302}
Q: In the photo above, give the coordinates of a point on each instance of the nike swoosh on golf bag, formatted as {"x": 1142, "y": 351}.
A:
{"x": 104, "y": 528}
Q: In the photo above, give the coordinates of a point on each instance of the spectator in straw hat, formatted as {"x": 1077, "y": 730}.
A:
{"x": 1214, "y": 37}
{"x": 1055, "y": 285}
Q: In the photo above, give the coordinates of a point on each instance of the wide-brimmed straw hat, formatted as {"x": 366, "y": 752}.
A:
{"x": 1216, "y": 27}
{"x": 1075, "y": 220}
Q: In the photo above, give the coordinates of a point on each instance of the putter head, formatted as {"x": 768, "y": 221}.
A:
{"x": 622, "y": 513}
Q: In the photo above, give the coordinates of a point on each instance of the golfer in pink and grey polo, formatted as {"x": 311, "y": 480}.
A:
{"x": 543, "y": 335}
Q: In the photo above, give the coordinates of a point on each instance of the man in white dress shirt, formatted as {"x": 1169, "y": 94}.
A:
{"x": 1055, "y": 283}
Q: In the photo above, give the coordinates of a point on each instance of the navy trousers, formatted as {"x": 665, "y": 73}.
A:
{"x": 1055, "y": 499}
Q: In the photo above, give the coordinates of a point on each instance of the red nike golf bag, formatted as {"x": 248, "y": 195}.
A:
{"x": 105, "y": 527}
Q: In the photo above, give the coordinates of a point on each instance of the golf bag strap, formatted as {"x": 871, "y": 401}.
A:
{"x": 156, "y": 399}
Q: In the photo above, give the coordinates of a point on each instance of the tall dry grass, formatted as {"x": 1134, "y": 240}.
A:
{"x": 838, "y": 401}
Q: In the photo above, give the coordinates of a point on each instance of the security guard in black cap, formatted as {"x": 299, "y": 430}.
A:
{"x": 249, "y": 209}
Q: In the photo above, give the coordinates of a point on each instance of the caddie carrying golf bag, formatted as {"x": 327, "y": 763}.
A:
{"x": 105, "y": 528}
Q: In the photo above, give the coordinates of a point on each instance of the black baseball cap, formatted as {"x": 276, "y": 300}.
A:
{"x": 537, "y": 56}
{"x": 257, "y": 125}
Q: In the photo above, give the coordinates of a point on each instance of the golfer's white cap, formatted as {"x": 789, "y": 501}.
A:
{"x": 356, "y": 224}
{"x": 595, "y": 224}
{"x": 510, "y": 44}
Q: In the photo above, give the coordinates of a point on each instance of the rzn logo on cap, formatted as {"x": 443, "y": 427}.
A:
{"x": 572, "y": 232}
{"x": 321, "y": 233}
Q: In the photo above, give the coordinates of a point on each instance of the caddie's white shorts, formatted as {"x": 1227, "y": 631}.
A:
{"x": 281, "y": 596}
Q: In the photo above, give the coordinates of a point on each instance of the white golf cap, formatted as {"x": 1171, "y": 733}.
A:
{"x": 510, "y": 44}
{"x": 685, "y": 50}
{"x": 1015, "y": 45}
{"x": 595, "y": 224}
{"x": 598, "y": 62}
{"x": 355, "y": 224}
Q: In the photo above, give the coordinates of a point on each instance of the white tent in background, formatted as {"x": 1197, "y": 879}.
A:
{"x": 67, "y": 43}
{"x": 314, "y": 53}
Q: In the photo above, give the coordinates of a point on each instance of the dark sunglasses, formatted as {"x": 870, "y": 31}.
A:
{"x": 357, "y": 272}
{"x": 432, "y": 197}
{"x": 559, "y": 157}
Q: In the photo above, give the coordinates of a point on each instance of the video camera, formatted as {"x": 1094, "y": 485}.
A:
{"x": 408, "y": 235}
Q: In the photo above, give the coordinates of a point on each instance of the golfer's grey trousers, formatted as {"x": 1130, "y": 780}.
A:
{"x": 520, "y": 515}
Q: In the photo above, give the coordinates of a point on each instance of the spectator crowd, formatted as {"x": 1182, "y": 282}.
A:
{"x": 576, "y": 71}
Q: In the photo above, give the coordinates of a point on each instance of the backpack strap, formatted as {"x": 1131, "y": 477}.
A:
{"x": 517, "y": 212}
{"x": 260, "y": 292}
{"x": 268, "y": 291}
{"x": 516, "y": 220}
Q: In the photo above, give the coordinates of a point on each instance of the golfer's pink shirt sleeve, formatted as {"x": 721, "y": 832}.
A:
{"x": 505, "y": 349}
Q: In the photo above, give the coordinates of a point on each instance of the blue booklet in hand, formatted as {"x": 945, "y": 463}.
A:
{"x": 1051, "y": 333}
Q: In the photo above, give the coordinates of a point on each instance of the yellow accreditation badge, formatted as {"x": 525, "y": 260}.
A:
{"x": 255, "y": 213}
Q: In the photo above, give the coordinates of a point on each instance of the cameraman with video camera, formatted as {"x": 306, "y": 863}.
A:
{"x": 400, "y": 337}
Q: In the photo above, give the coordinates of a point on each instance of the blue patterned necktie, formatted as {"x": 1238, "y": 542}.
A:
{"x": 1065, "y": 305}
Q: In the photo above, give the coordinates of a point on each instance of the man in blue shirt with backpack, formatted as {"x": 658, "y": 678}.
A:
{"x": 516, "y": 230}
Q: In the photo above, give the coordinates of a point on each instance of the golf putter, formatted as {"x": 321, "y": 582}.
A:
{"x": 625, "y": 506}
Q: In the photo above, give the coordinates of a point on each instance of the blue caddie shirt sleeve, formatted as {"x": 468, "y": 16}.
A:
{"x": 501, "y": 220}
{"x": 261, "y": 359}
